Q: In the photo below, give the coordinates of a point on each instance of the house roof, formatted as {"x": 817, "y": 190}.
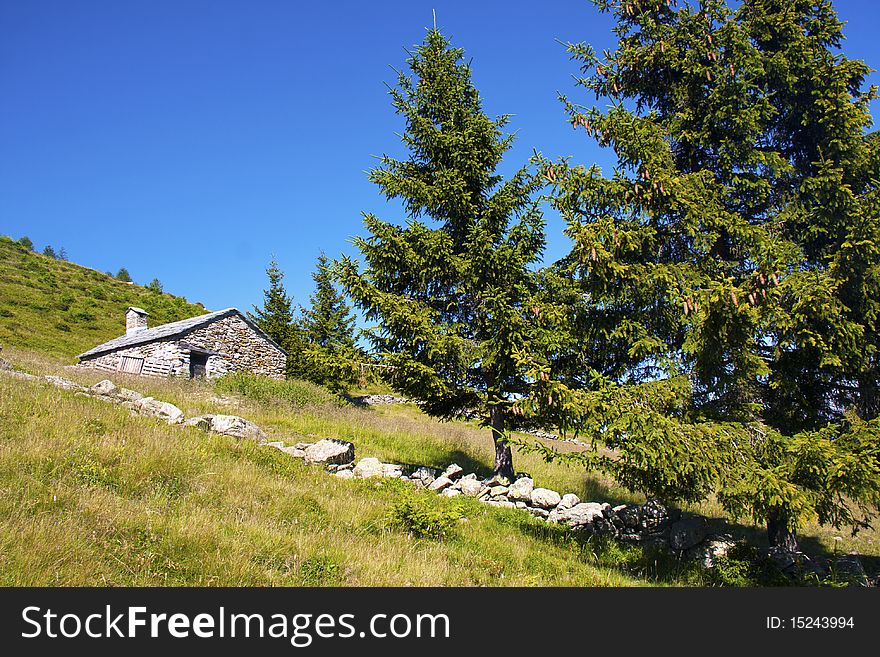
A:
{"x": 171, "y": 330}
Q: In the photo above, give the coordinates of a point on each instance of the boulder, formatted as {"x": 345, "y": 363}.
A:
{"x": 568, "y": 501}
{"x": 849, "y": 568}
{"x": 545, "y": 498}
{"x": 580, "y": 515}
{"x": 426, "y": 474}
{"x": 521, "y": 490}
{"x": 687, "y": 532}
{"x": 104, "y": 388}
{"x": 709, "y": 551}
{"x": 392, "y": 470}
{"x": 238, "y": 427}
{"x": 330, "y": 450}
{"x": 344, "y": 474}
{"x": 127, "y": 395}
{"x": 64, "y": 384}
{"x": 629, "y": 514}
{"x": 440, "y": 483}
{"x": 294, "y": 451}
{"x": 368, "y": 467}
{"x": 538, "y": 513}
{"x": 450, "y": 492}
{"x": 498, "y": 491}
{"x": 471, "y": 487}
{"x": 453, "y": 471}
{"x": 228, "y": 425}
{"x": 654, "y": 516}
{"x": 155, "y": 408}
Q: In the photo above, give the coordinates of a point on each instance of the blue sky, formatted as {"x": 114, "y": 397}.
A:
{"x": 191, "y": 139}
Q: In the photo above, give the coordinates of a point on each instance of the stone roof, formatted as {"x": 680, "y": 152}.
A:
{"x": 172, "y": 330}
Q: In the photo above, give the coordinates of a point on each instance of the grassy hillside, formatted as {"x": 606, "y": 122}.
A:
{"x": 63, "y": 309}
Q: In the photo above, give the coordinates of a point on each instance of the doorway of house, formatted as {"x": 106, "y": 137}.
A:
{"x": 198, "y": 365}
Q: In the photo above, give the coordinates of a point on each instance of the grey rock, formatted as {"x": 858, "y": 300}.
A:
{"x": 227, "y": 425}
{"x": 330, "y": 450}
{"x": 293, "y": 450}
{"x": 504, "y": 504}
{"x": 708, "y": 552}
{"x": 849, "y": 568}
{"x": 453, "y": 471}
{"x": 392, "y": 470}
{"x": 105, "y": 388}
{"x": 521, "y": 490}
{"x": 568, "y": 501}
{"x": 687, "y": 532}
{"x": 450, "y": 492}
{"x": 424, "y": 473}
{"x": 155, "y": 408}
{"x": 545, "y": 498}
{"x": 580, "y": 515}
{"x": 629, "y": 514}
{"x": 369, "y": 467}
{"x": 498, "y": 491}
{"x": 127, "y": 395}
{"x": 344, "y": 474}
{"x": 538, "y": 513}
{"x": 275, "y": 444}
{"x": 21, "y": 376}
{"x": 440, "y": 483}
{"x": 471, "y": 487}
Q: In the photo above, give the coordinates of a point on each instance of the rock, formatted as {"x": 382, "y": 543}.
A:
{"x": 345, "y": 466}
{"x": 155, "y": 408}
{"x": 238, "y": 427}
{"x": 376, "y": 400}
{"x": 653, "y": 516}
{"x": 450, "y": 492}
{"x": 538, "y": 513}
{"x": 440, "y": 483}
{"x": 580, "y": 515}
{"x": 545, "y": 498}
{"x": 294, "y": 451}
{"x": 452, "y": 471}
{"x": 568, "y": 501}
{"x": 521, "y": 490}
{"x": 687, "y": 532}
{"x": 227, "y": 425}
{"x": 368, "y": 467}
{"x": 505, "y": 504}
{"x": 105, "y": 388}
{"x": 392, "y": 470}
{"x": 303, "y": 446}
{"x": 276, "y": 445}
{"x": 330, "y": 450}
{"x": 344, "y": 474}
{"x": 127, "y": 395}
{"x": 470, "y": 476}
{"x": 64, "y": 384}
{"x": 498, "y": 491}
{"x": 629, "y": 514}
{"x": 5, "y": 365}
{"x": 521, "y": 505}
{"x": 424, "y": 473}
{"x": 471, "y": 487}
{"x": 708, "y": 552}
{"x": 849, "y": 568}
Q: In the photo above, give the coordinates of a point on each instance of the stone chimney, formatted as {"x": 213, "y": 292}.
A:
{"x": 135, "y": 320}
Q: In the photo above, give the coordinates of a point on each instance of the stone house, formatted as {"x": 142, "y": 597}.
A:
{"x": 205, "y": 346}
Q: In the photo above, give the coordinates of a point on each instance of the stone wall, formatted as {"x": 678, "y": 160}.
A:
{"x": 240, "y": 348}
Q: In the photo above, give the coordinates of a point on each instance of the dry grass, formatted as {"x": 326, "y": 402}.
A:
{"x": 92, "y": 495}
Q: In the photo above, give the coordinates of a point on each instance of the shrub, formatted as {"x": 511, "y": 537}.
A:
{"x": 423, "y": 517}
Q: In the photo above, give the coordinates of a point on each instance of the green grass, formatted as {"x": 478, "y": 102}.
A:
{"x": 63, "y": 309}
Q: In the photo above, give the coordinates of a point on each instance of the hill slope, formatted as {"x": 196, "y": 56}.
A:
{"x": 63, "y": 309}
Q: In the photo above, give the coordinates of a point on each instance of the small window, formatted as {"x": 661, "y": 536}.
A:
{"x": 131, "y": 365}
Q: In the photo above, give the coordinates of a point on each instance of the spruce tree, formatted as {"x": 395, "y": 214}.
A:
{"x": 27, "y": 243}
{"x": 729, "y": 265}
{"x": 329, "y": 322}
{"x": 49, "y": 251}
{"x": 123, "y": 275}
{"x": 454, "y": 288}
{"x": 275, "y": 317}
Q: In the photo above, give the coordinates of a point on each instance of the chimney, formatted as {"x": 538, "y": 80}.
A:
{"x": 135, "y": 320}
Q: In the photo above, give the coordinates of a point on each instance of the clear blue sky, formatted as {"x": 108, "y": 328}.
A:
{"x": 190, "y": 139}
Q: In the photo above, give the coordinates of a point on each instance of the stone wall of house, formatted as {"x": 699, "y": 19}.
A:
{"x": 239, "y": 346}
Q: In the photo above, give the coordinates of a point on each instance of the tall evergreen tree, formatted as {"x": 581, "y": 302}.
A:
{"x": 729, "y": 265}
{"x": 27, "y": 243}
{"x": 123, "y": 275}
{"x": 49, "y": 251}
{"x": 275, "y": 317}
{"x": 329, "y": 322}
{"x": 454, "y": 288}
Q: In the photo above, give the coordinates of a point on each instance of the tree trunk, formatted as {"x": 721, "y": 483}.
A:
{"x": 779, "y": 534}
{"x": 503, "y": 454}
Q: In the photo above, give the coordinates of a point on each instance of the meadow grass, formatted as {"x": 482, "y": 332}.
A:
{"x": 91, "y": 495}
